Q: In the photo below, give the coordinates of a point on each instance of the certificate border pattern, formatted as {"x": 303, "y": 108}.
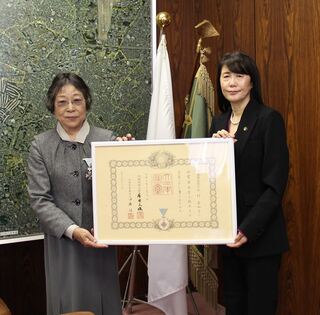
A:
{"x": 115, "y": 224}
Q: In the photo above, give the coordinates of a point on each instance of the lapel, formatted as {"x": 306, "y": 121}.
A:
{"x": 222, "y": 121}
{"x": 247, "y": 123}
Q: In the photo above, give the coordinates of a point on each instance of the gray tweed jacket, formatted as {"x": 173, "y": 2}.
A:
{"x": 59, "y": 191}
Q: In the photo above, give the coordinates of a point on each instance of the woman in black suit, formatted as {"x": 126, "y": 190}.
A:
{"x": 251, "y": 264}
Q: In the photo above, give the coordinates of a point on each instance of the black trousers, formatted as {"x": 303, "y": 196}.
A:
{"x": 250, "y": 285}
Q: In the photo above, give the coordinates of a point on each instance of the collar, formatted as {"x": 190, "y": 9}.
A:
{"x": 81, "y": 135}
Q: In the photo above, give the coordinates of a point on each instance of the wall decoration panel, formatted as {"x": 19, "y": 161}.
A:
{"x": 106, "y": 42}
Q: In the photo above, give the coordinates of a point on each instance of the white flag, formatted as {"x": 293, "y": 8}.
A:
{"x": 161, "y": 116}
{"x": 167, "y": 264}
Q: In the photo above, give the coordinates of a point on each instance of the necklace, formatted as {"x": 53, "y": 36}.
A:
{"x": 234, "y": 122}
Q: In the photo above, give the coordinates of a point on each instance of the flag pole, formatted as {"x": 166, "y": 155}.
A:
{"x": 163, "y": 19}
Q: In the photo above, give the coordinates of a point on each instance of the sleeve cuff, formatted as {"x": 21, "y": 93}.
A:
{"x": 240, "y": 231}
{"x": 69, "y": 231}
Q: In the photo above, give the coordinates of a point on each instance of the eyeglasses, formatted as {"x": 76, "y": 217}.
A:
{"x": 75, "y": 102}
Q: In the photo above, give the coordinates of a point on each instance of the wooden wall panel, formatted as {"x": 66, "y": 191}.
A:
{"x": 287, "y": 50}
{"x": 275, "y": 56}
{"x": 22, "y": 284}
{"x": 236, "y": 25}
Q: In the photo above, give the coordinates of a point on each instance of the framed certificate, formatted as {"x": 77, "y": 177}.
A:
{"x": 164, "y": 192}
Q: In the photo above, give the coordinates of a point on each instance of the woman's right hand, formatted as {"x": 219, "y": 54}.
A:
{"x": 127, "y": 137}
{"x": 223, "y": 134}
{"x": 84, "y": 237}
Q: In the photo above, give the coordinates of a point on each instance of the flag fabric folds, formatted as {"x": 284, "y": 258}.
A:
{"x": 161, "y": 116}
{"x": 167, "y": 264}
{"x": 168, "y": 278}
{"x": 199, "y": 106}
{"x": 198, "y": 116}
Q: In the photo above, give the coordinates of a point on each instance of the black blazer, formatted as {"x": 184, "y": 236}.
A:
{"x": 261, "y": 167}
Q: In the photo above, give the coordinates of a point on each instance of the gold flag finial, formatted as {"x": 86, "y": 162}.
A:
{"x": 163, "y": 19}
{"x": 206, "y": 29}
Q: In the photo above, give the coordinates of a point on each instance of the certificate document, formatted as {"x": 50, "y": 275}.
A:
{"x": 164, "y": 192}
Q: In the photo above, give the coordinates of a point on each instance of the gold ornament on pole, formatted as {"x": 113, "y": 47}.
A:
{"x": 204, "y": 29}
{"x": 163, "y": 19}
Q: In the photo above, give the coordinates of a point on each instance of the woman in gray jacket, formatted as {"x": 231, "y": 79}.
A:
{"x": 81, "y": 275}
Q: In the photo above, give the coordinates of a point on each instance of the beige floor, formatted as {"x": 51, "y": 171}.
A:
{"x": 203, "y": 308}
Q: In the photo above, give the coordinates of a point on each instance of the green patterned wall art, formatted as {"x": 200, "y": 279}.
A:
{"x": 107, "y": 42}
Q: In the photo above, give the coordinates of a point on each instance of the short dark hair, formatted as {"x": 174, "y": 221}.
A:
{"x": 62, "y": 79}
{"x": 239, "y": 62}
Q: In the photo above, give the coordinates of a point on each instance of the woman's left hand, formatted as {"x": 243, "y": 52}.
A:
{"x": 127, "y": 137}
{"x": 84, "y": 237}
{"x": 239, "y": 240}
